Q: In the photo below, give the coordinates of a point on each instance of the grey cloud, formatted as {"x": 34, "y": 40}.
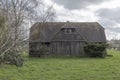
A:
{"x": 108, "y": 24}
{"x": 116, "y": 30}
{"x": 109, "y": 18}
{"x": 77, "y": 4}
{"x": 111, "y": 14}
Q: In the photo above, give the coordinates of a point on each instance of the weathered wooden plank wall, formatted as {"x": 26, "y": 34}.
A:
{"x": 67, "y": 48}
{"x": 58, "y": 48}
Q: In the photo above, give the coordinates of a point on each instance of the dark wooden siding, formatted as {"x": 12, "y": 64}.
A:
{"x": 67, "y": 48}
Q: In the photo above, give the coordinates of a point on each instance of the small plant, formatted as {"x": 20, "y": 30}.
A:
{"x": 38, "y": 50}
{"x": 96, "y": 49}
{"x": 43, "y": 51}
{"x": 15, "y": 59}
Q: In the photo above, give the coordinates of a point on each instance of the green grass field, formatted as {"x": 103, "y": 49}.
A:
{"x": 65, "y": 69}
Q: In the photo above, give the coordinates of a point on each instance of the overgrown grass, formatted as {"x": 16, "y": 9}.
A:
{"x": 65, "y": 69}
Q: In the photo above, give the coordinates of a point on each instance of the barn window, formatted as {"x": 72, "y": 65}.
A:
{"x": 68, "y": 30}
{"x": 72, "y": 29}
{"x": 46, "y": 43}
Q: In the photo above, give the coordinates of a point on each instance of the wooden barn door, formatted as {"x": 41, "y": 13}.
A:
{"x": 73, "y": 48}
{"x": 76, "y": 48}
{"x": 68, "y": 48}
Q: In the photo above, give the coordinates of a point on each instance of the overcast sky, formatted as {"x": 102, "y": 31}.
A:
{"x": 106, "y": 12}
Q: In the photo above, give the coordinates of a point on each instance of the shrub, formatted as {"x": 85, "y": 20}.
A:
{"x": 38, "y": 50}
{"x": 96, "y": 49}
{"x": 15, "y": 59}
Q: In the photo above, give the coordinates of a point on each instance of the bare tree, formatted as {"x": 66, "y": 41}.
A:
{"x": 14, "y": 14}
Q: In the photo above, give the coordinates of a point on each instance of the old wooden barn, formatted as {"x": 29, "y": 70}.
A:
{"x": 64, "y": 38}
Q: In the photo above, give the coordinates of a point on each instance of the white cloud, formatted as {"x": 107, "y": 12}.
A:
{"x": 110, "y": 5}
{"x": 48, "y": 2}
{"x": 112, "y": 35}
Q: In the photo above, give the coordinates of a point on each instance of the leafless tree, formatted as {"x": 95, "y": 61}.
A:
{"x": 14, "y": 14}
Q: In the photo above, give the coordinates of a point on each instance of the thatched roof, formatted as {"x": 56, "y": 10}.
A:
{"x": 45, "y": 32}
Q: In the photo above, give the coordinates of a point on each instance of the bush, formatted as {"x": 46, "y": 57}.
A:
{"x": 14, "y": 59}
{"x": 96, "y": 49}
{"x": 39, "y": 51}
